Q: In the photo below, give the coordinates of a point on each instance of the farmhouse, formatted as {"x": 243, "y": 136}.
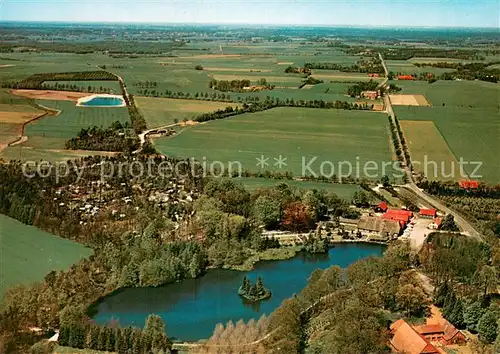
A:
{"x": 427, "y": 213}
{"x": 372, "y": 95}
{"x": 374, "y": 75}
{"x": 405, "y": 77}
{"x": 407, "y": 340}
{"x": 386, "y": 228}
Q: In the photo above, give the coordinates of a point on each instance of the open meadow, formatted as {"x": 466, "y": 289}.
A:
{"x": 406, "y": 67}
{"x": 470, "y": 133}
{"x": 28, "y": 253}
{"x": 463, "y": 94}
{"x": 466, "y": 116}
{"x": 426, "y": 144}
{"x": 297, "y": 134}
{"x": 162, "y": 111}
{"x": 14, "y": 113}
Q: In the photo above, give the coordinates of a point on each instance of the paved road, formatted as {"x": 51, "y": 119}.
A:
{"x": 411, "y": 185}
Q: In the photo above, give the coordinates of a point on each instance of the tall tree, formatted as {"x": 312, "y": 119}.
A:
{"x": 487, "y": 327}
{"x": 473, "y": 314}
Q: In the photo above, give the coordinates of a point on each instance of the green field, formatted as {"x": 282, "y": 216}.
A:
{"x": 407, "y": 67}
{"x": 72, "y": 119}
{"x": 427, "y": 146}
{"x": 344, "y": 191}
{"x": 28, "y": 253}
{"x": 466, "y": 94}
{"x": 47, "y": 136}
{"x": 161, "y": 111}
{"x": 298, "y": 134}
{"x": 14, "y": 112}
{"x": 471, "y": 133}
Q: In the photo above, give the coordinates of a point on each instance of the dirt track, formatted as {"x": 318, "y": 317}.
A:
{"x": 51, "y": 95}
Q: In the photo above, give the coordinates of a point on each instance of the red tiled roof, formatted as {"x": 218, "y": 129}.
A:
{"x": 400, "y": 212}
{"x": 468, "y": 184}
{"x": 449, "y": 331}
{"x": 437, "y": 221}
{"x": 429, "y": 329}
{"x": 405, "y": 339}
{"x": 383, "y": 206}
{"x": 428, "y": 212}
{"x": 405, "y": 77}
{"x": 396, "y": 217}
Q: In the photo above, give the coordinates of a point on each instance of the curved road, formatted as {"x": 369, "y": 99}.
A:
{"x": 464, "y": 225}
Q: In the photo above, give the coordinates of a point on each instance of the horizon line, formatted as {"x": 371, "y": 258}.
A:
{"x": 254, "y": 24}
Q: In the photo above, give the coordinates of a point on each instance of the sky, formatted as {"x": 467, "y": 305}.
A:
{"x": 393, "y": 13}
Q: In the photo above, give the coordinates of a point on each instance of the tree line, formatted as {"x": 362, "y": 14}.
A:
{"x": 73, "y": 87}
{"x": 372, "y": 65}
{"x": 83, "y": 335}
{"x": 237, "y": 85}
{"x": 35, "y": 81}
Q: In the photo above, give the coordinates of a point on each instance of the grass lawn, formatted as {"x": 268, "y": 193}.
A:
{"x": 162, "y": 111}
{"x": 471, "y": 133}
{"x": 28, "y": 253}
{"x": 344, "y": 191}
{"x": 427, "y": 145}
{"x": 297, "y": 134}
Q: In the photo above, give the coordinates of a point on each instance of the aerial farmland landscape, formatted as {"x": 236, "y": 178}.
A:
{"x": 247, "y": 177}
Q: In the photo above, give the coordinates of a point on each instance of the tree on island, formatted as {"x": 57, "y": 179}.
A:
{"x": 256, "y": 292}
{"x": 246, "y": 286}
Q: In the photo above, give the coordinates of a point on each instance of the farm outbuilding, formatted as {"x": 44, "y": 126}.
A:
{"x": 427, "y": 213}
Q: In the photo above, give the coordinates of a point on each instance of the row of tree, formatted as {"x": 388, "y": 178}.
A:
{"x": 152, "y": 338}
{"x": 372, "y": 65}
{"x": 74, "y": 87}
{"x": 36, "y": 81}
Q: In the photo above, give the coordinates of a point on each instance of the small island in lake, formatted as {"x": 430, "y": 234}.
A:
{"x": 257, "y": 292}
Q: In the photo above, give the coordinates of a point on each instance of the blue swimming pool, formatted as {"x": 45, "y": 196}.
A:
{"x": 103, "y": 101}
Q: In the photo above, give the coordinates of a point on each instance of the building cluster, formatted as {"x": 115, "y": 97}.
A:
{"x": 386, "y": 224}
{"x": 97, "y": 198}
{"x": 424, "y": 339}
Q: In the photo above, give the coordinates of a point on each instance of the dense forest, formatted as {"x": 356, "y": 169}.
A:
{"x": 116, "y": 138}
{"x": 356, "y": 89}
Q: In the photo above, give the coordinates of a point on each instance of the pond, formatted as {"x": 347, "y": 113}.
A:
{"x": 101, "y": 101}
{"x": 193, "y": 307}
